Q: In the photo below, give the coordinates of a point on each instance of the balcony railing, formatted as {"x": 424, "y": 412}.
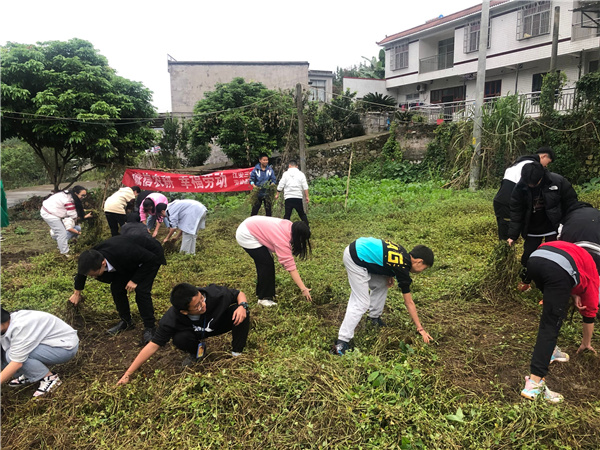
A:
{"x": 436, "y": 62}
{"x": 465, "y": 110}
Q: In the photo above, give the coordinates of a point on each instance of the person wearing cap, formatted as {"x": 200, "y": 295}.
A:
{"x": 537, "y": 206}
{"x": 512, "y": 175}
{"x": 116, "y": 206}
{"x": 560, "y": 270}
{"x": 187, "y": 216}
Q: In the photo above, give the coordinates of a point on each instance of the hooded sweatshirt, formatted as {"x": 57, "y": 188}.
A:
{"x": 293, "y": 183}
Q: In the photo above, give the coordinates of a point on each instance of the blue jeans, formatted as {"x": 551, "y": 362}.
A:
{"x": 34, "y": 368}
{"x": 151, "y": 222}
{"x": 73, "y": 235}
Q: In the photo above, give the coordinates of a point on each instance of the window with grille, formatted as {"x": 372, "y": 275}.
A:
{"x": 533, "y": 20}
{"x": 471, "y": 41}
{"x": 317, "y": 90}
{"x": 399, "y": 58}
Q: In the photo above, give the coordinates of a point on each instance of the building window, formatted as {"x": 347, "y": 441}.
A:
{"x": 471, "y": 41}
{"x": 317, "y": 90}
{"x": 448, "y": 95}
{"x": 533, "y": 20}
{"x": 493, "y": 88}
{"x": 593, "y": 66}
{"x": 399, "y": 58}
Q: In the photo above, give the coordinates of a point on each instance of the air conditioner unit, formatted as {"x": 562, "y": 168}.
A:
{"x": 421, "y": 87}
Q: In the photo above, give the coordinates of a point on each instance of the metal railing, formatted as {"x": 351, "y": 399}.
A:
{"x": 465, "y": 109}
{"x": 436, "y": 62}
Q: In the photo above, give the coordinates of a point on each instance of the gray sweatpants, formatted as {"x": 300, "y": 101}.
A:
{"x": 59, "y": 231}
{"x": 369, "y": 292}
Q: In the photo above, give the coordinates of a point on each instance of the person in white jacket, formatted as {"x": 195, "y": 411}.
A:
{"x": 32, "y": 340}
{"x": 293, "y": 184}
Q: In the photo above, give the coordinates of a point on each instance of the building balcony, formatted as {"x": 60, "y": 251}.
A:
{"x": 436, "y": 62}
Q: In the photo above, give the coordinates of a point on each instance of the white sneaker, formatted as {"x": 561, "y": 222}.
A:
{"x": 47, "y": 384}
{"x": 532, "y": 390}
{"x": 266, "y": 302}
{"x": 236, "y": 354}
{"x": 558, "y": 355}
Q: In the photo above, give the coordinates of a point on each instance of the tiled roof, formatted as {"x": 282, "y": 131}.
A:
{"x": 439, "y": 21}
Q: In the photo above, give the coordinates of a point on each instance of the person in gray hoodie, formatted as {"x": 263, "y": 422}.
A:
{"x": 32, "y": 340}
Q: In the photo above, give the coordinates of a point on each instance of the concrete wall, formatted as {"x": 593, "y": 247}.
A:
{"x": 191, "y": 79}
{"x": 364, "y": 86}
{"x": 331, "y": 159}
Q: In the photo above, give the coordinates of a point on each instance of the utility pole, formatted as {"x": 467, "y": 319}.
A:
{"x": 554, "y": 54}
{"x": 301, "y": 137}
{"x": 479, "y": 94}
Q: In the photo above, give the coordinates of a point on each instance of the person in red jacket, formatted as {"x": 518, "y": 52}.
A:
{"x": 560, "y": 270}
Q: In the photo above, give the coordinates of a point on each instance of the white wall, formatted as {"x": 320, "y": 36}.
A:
{"x": 363, "y": 86}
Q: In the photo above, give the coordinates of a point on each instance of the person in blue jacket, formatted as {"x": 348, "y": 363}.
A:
{"x": 262, "y": 176}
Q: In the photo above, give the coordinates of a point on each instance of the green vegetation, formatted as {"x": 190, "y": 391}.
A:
{"x": 287, "y": 391}
{"x": 64, "y": 101}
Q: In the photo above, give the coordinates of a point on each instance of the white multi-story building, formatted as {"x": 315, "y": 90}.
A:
{"x": 437, "y": 62}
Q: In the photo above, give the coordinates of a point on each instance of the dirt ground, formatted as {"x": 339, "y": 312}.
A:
{"x": 492, "y": 344}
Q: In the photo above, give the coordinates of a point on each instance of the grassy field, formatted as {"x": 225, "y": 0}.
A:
{"x": 286, "y": 390}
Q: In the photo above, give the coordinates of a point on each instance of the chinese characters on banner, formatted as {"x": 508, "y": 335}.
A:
{"x": 224, "y": 181}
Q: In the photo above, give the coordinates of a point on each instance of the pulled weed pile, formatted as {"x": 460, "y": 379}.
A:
{"x": 501, "y": 274}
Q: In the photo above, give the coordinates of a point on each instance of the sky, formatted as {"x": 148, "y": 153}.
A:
{"x": 136, "y": 36}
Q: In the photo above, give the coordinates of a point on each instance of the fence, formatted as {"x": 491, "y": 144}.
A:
{"x": 465, "y": 109}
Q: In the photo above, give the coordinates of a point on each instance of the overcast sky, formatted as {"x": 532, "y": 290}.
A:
{"x": 136, "y": 36}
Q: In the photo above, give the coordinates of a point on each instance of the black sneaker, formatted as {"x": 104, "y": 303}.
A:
{"x": 340, "y": 348}
{"x": 376, "y": 322}
{"x": 121, "y": 326}
{"x": 147, "y": 335}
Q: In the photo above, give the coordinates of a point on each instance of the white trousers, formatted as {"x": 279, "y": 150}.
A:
{"x": 369, "y": 292}
{"x": 188, "y": 240}
{"x": 59, "y": 231}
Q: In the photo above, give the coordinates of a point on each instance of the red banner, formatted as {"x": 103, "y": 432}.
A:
{"x": 224, "y": 181}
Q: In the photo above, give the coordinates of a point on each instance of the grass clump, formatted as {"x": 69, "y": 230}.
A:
{"x": 286, "y": 390}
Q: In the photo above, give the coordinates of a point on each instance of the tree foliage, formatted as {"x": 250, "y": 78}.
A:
{"x": 20, "y": 166}
{"x": 68, "y": 104}
{"x": 176, "y": 146}
{"x": 245, "y": 119}
{"x": 374, "y": 67}
{"x": 374, "y": 101}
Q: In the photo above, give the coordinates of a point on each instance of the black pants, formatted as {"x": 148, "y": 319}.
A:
{"x": 530, "y": 245}
{"x": 114, "y": 222}
{"x": 295, "y": 203}
{"x": 143, "y": 295}
{"x": 260, "y": 201}
{"x": 556, "y": 285}
{"x": 502, "y": 227}
{"x": 188, "y": 340}
{"x": 265, "y": 272}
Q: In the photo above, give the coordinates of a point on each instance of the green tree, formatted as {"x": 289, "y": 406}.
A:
{"x": 345, "y": 119}
{"x": 245, "y": 119}
{"x": 378, "y": 102}
{"x": 176, "y": 146}
{"x": 64, "y": 97}
{"x": 20, "y": 166}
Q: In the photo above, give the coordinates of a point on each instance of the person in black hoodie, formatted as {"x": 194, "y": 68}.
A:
{"x": 512, "y": 175}
{"x": 197, "y": 314}
{"x": 581, "y": 223}
{"x": 537, "y": 206}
